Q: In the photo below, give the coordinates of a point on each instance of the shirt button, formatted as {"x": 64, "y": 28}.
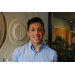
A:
{"x": 35, "y": 53}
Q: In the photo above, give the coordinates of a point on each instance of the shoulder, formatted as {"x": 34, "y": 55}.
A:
{"x": 20, "y": 49}
{"x": 51, "y": 53}
{"x": 49, "y": 50}
{"x": 18, "y": 52}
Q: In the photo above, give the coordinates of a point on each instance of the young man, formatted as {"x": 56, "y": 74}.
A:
{"x": 35, "y": 50}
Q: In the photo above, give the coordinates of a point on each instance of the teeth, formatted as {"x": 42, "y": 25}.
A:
{"x": 36, "y": 37}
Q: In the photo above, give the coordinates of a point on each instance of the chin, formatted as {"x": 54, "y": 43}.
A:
{"x": 38, "y": 42}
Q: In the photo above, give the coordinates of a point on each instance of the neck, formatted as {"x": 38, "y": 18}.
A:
{"x": 36, "y": 46}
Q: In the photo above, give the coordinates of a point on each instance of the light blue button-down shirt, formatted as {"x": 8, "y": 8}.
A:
{"x": 26, "y": 53}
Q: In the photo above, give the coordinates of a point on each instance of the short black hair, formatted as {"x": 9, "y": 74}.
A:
{"x": 33, "y": 20}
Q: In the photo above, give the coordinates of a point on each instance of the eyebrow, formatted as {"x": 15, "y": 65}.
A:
{"x": 34, "y": 27}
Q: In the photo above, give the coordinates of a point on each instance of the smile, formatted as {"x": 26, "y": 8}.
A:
{"x": 36, "y": 38}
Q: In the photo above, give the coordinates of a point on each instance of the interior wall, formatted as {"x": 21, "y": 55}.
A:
{"x": 60, "y": 23}
{"x": 44, "y": 17}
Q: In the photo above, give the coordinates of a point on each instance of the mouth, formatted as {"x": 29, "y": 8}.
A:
{"x": 36, "y": 38}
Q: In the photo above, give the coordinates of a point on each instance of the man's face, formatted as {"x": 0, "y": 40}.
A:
{"x": 36, "y": 33}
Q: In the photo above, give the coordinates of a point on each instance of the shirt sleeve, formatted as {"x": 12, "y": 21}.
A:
{"x": 55, "y": 57}
{"x": 15, "y": 56}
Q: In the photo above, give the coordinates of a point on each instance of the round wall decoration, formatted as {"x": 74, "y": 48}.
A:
{"x": 17, "y": 32}
{"x": 2, "y": 29}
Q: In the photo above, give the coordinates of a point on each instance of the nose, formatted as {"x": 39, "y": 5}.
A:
{"x": 36, "y": 32}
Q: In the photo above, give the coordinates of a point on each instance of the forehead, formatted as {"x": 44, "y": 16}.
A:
{"x": 35, "y": 25}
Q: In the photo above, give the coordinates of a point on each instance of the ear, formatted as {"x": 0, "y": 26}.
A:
{"x": 27, "y": 32}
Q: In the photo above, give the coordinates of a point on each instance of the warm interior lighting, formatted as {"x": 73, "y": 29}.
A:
{"x": 70, "y": 21}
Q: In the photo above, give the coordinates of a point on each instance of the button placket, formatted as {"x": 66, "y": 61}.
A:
{"x": 35, "y": 54}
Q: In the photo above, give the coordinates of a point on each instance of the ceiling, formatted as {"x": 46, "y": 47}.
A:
{"x": 70, "y": 16}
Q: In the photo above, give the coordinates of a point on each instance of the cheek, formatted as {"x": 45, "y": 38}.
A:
{"x": 41, "y": 35}
{"x": 31, "y": 34}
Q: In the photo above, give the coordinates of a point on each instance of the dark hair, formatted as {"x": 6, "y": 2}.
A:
{"x": 33, "y": 20}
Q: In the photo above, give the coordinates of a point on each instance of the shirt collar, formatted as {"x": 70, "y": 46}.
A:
{"x": 31, "y": 46}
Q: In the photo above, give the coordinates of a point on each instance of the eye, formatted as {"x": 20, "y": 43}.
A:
{"x": 39, "y": 29}
{"x": 32, "y": 30}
